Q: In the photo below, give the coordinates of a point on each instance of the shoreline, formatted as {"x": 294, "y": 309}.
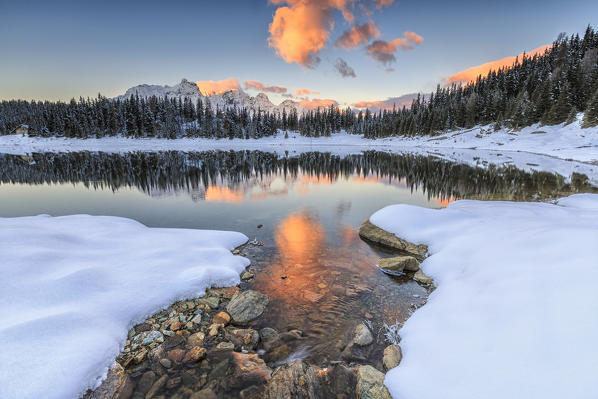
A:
{"x": 196, "y": 349}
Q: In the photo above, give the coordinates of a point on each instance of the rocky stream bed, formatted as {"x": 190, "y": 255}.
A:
{"x": 204, "y": 348}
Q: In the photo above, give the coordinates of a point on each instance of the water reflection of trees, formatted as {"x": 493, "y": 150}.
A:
{"x": 154, "y": 173}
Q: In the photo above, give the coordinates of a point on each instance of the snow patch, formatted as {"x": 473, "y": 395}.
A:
{"x": 513, "y": 312}
{"x": 72, "y": 286}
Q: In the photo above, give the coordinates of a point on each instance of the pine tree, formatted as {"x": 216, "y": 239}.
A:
{"x": 590, "y": 117}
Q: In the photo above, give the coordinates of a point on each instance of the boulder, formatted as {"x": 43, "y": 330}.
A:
{"x": 399, "y": 264}
{"x": 370, "y": 384}
{"x": 247, "y": 306}
{"x": 375, "y": 234}
{"x": 392, "y": 356}
{"x": 421, "y": 278}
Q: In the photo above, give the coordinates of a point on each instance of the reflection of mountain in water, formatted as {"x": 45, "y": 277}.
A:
{"x": 230, "y": 176}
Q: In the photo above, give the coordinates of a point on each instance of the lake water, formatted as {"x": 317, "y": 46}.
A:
{"x": 306, "y": 209}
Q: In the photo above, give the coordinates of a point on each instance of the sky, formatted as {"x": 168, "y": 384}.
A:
{"x": 352, "y": 51}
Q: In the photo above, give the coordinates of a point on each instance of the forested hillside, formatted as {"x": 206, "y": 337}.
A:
{"x": 548, "y": 89}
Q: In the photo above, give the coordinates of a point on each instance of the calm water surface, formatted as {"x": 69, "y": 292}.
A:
{"x": 321, "y": 278}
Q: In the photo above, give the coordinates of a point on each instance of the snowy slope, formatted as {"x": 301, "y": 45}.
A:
{"x": 561, "y": 149}
{"x": 513, "y": 315}
{"x": 72, "y": 287}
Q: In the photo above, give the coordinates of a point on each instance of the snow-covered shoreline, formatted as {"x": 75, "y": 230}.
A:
{"x": 557, "y": 149}
{"x": 510, "y": 314}
{"x": 72, "y": 287}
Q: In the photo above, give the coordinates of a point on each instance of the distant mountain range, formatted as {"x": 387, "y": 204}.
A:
{"x": 230, "y": 98}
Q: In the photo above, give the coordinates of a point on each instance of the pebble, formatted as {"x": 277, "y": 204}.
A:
{"x": 166, "y": 363}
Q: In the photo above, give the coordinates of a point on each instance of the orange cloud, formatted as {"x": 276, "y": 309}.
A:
{"x": 254, "y": 84}
{"x": 381, "y": 3}
{"x": 357, "y": 35}
{"x": 472, "y": 73}
{"x": 300, "y": 92}
{"x": 210, "y": 87}
{"x": 384, "y": 52}
{"x": 317, "y": 103}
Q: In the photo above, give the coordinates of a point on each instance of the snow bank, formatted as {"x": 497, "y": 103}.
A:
{"x": 514, "y": 314}
{"x": 72, "y": 286}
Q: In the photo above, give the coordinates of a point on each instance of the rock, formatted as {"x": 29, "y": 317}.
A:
{"x": 370, "y": 384}
{"x": 206, "y": 393}
{"x": 399, "y": 264}
{"x": 243, "y": 338}
{"x": 117, "y": 385}
{"x": 140, "y": 356}
{"x": 362, "y": 335}
{"x": 148, "y": 337}
{"x": 392, "y": 356}
{"x": 166, "y": 363}
{"x": 247, "y": 275}
{"x": 146, "y": 381}
{"x": 294, "y": 380}
{"x": 373, "y": 233}
{"x": 175, "y": 325}
{"x": 268, "y": 334}
{"x": 421, "y": 278}
{"x": 195, "y": 354}
{"x": 196, "y": 339}
{"x": 247, "y": 306}
{"x": 221, "y": 318}
{"x": 157, "y": 386}
{"x": 225, "y": 346}
{"x": 211, "y": 301}
{"x": 247, "y": 369}
{"x": 176, "y": 355}
{"x": 214, "y": 329}
{"x": 278, "y": 353}
{"x": 173, "y": 382}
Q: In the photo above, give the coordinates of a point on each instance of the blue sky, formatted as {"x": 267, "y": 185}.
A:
{"x": 58, "y": 50}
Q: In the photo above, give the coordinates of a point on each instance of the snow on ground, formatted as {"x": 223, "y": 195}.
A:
{"x": 72, "y": 286}
{"x": 557, "y": 149}
{"x": 514, "y": 312}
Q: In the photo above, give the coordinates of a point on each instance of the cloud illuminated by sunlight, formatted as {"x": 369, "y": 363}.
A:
{"x": 211, "y": 87}
{"x": 472, "y": 73}
{"x": 357, "y": 35}
{"x": 300, "y": 29}
{"x": 254, "y": 84}
{"x": 317, "y": 103}
{"x": 384, "y": 52}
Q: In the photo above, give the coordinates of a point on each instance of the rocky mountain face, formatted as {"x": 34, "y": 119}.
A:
{"x": 232, "y": 98}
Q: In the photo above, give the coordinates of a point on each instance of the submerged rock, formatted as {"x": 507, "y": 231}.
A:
{"x": 375, "y": 234}
{"x": 370, "y": 384}
{"x": 362, "y": 335}
{"x": 392, "y": 356}
{"x": 247, "y": 306}
{"x": 399, "y": 264}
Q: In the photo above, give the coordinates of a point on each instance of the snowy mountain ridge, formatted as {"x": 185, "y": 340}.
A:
{"x": 230, "y": 98}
